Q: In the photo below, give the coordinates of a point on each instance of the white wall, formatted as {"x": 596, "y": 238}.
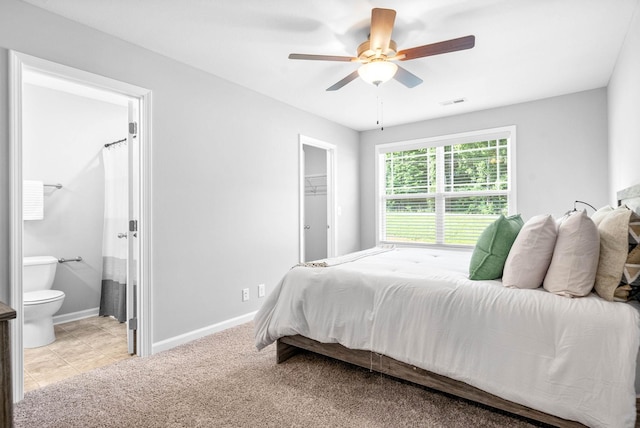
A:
{"x": 224, "y": 167}
{"x": 62, "y": 143}
{"x": 624, "y": 113}
{"x": 561, "y": 152}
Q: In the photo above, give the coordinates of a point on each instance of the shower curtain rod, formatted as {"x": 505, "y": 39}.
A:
{"x": 115, "y": 142}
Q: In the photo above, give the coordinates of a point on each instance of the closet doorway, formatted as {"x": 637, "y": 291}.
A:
{"x": 317, "y": 199}
{"x": 27, "y": 72}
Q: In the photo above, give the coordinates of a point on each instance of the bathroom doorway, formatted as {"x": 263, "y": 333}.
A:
{"x": 78, "y": 106}
{"x": 317, "y": 199}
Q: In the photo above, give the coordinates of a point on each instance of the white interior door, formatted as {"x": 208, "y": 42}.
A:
{"x": 132, "y": 235}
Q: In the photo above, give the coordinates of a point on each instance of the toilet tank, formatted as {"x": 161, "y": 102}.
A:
{"x": 38, "y": 273}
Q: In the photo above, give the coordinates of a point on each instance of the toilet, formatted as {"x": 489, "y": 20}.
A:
{"x": 40, "y": 302}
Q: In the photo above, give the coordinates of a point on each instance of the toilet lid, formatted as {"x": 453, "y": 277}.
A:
{"x": 42, "y": 296}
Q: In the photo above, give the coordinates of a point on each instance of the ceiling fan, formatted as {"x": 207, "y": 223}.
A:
{"x": 377, "y": 54}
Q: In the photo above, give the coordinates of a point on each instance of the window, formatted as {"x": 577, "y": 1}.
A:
{"x": 445, "y": 190}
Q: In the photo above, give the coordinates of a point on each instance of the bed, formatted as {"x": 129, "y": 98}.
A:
{"x": 412, "y": 313}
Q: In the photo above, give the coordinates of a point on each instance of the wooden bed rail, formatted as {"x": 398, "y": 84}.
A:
{"x": 289, "y": 346}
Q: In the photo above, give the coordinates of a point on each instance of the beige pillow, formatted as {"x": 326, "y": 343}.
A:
{"x": 614, "y": 248}
{"x": 572, "y": 271}
{"x": 599, "y": 215}
{"x": 531, "y": 253}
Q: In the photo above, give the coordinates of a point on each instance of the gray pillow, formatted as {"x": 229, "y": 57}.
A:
{"x": 531, "y": 253}
{"x": 572, "y": 271}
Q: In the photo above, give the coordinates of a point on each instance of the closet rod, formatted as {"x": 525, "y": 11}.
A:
{"x": 115, "y": 142}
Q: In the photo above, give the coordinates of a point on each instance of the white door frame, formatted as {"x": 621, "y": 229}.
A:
{"x": 332, "y": 233}
{"x": 17, "y": 63}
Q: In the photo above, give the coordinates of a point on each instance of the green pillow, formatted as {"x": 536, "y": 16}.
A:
{"x": 492, "y": 248}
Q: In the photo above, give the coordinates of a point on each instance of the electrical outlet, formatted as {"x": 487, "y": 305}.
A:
{"x": 245, "y": 294}
{"x": 261, "y": 290}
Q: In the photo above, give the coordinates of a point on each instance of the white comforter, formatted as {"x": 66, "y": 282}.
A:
{"x": 573, "y": 358}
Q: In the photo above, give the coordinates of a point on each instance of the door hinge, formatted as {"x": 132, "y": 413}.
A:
{"x": 133, "y": 324}
{"x": 133, "y": 225}
{"x": 133, "y": 128}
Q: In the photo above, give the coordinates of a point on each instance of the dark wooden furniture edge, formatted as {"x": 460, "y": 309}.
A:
{"x": 6, "y": 386}
{"x": 289, "y": 346}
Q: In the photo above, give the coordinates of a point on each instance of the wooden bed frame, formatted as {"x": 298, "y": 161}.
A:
{"x": 291, "y": 345}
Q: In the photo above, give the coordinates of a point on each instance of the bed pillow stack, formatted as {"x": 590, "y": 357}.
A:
{"x": 530, "y": 255}
{"x": 493, "y": 246}
{"x": 574, "y": 263}
{"x": 569, "y": 257}
{"x": 562, "y": 255}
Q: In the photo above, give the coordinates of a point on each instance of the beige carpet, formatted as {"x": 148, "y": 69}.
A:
{"x": 222, "y": 381}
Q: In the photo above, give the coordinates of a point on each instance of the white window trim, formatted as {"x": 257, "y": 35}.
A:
{"x": 443, "y": 140}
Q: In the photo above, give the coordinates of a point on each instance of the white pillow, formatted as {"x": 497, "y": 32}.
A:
{"x": 572, "y": 271}
{"x": 531, "y": 253}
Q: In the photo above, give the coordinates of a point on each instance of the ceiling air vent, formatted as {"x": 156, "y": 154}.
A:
{"x": 451, "y": 102}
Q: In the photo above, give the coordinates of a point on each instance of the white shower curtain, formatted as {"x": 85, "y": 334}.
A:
{"x": 113, "y": 298}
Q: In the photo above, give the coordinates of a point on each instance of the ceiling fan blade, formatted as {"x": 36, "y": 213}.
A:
{"x": 381, "y": 28}
{"x": 322, "y": 57}
{"x": 353, "y": 76}
{"x": 407, "y": 78}
{"x": 452, "y": 45}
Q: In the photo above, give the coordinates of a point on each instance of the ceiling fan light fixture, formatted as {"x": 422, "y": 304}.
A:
{"x": 377, "y": 53}
{"x": 377, "y": 72}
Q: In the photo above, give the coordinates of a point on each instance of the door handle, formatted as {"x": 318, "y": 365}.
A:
{"x": 306, "y": 227}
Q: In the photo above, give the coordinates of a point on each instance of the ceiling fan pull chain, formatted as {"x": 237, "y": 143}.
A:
{"x": 380, "y": 112}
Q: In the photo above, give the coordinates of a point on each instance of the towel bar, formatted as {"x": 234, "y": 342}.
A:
{"x": 63, "y": 260}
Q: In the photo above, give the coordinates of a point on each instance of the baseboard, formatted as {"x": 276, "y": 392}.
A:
{"x": 166, "y": 344}
{"x": 75, "y": 316}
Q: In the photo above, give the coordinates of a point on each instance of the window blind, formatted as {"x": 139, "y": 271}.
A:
{"x": 445, "y": 194}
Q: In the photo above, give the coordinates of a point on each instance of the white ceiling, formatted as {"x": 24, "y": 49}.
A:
{"x": 525, "y": 49}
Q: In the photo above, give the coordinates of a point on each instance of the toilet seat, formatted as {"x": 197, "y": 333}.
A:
{"x": 42, "y": 296}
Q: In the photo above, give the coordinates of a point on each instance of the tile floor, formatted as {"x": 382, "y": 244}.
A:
{"x": 80, "y": 346}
